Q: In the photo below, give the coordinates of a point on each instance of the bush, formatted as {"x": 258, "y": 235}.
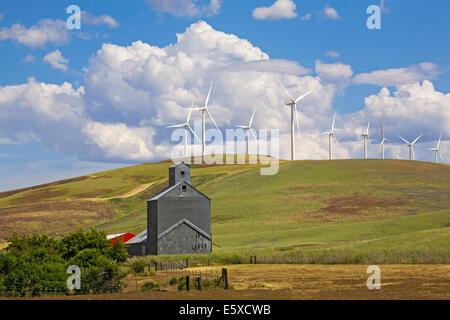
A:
{"x": 118, "y": 252}
{"x": 37, "y": 265}
{"x": 149, "y": 286}
{"x": 138, "y": 266}
{"x": 75, "y": 242}
{"x": 87, "y": 258}
{"x": 104, "y": 277}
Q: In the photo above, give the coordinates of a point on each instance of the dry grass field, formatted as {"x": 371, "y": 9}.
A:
{"x": 299, "y": 282}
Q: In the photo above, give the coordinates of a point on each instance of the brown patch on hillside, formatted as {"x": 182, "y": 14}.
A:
{"x": 358, "y": 203}
{"x": 302, "y": 188}
{"x": 52, "y": 217}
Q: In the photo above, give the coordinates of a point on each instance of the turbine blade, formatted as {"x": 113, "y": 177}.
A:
{"x": 368, "y": 126}
{"x": 406, "y": 141}
{"x": 209, "y": 94}
{"x": 440, "y": 157}
{"x": 242, "y": 127}
{"x": 177, "y": 126}
{"x": 413, "y": 154}
{"x": 439, "y": 142}
{"x": 382, "y": 132}
{"x": 302, "y": 96}
{"x": 334, "y": 121}
{"x": 335, "y": 139}
{"x": 251, "y": 119}
{"x": 287, "y": 93}
{"x": 371, "y": 147}
{"x": 190, "y": 110}
{"x": 417, "y": 139}
{"x": 210, "y": 116}
{"x": 195, "y": 135}
{"x": 254, "y": 136}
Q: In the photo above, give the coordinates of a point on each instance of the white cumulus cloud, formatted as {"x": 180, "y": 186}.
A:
{"x": 46, "y": 31}
{"x": 191, "y": 8}
{"x": 89, "y": 18}
{"x": 332, "y": 54}
{"x": 131, "y": 93}
{"x": 56, "y": 60}
{"x": 280, "y": 9}
{"x": 399, "y": 76}
{"x": 331, "y": 13}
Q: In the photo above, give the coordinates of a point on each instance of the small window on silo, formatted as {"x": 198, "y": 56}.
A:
{"x": 182, "y": 174}
{"x": 183, "y": 188}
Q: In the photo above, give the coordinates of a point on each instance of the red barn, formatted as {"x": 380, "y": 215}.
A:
{"x": 122, "y": 237}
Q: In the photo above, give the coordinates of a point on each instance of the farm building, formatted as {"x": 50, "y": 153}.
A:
{"x": 123, "y": 237}
{"x": 178, "y": 219}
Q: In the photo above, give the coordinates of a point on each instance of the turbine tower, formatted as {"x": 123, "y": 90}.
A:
{"x": 330, "y": 134}
{"x": 365, "y": 136}
{"x": 411, "y": 146}
{"x": 248, "y": 129}
{"x": 186, "y": 127}
{"x": 436, "y": 150}
{"x": 203, "y": 110}
{"x": 382, "y": 141}
{"x": 293, "y": 105}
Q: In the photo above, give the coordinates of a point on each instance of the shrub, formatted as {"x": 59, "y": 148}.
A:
{"x": 77, "y": 241}
{"x": 118, "y": 252}
{"x": 138, "y": 266}
{"x": 104, "y": 277}
{"x": 86, "y": 258}
{"x": 149, "y": 286}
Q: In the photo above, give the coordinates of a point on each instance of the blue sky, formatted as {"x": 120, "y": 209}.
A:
{"x": 409, "y": 55}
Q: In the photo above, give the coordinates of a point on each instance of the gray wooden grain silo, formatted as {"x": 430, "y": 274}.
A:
{"x": 178, "y": 219}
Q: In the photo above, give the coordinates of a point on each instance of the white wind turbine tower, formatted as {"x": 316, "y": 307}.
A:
{"x": 365, "y": 136}
{"x": 248, "y": 129}
{"x": 330, "y": 134}
{"x": 293, "y": 105}
{"x": 436, "y": 150}
{"x": 382, "y": 141}
{"x": 203, "y": 110}
{"x": 186, "y": 127}
{"x": 411, "y": 146}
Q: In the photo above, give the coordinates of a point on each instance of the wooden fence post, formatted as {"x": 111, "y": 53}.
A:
{"x": 187, "y": 283}
{"x": 199, "y": 283}
{"x": 225, "y": 278}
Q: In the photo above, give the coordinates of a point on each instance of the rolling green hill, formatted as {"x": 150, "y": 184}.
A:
{"x": 346, "y": 204}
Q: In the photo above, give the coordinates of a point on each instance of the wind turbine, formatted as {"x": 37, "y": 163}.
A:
{"x": 365, "y": 136}
{"x": 248, "y": 129}
{"x": 293, "y": 105}
{"x": 186, "y": 126}
{"x": 203, "y": 110}
{"x": 330, "y": 134}
{"x": 411, "y": 146}
{"x": 382, "y": 141}
{"x": 436, "y": 150}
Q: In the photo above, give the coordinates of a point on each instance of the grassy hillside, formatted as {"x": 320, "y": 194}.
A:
{"x": 346, "y": 204}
